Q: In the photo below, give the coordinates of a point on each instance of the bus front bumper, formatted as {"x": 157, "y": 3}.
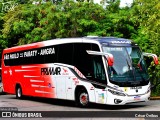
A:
{"x": 121, "y": 100}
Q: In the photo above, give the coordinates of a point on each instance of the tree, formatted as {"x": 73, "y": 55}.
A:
{"x": 147, "y": 14}
{"x": 113, "y": 5}
{"x": 31, "y": 23}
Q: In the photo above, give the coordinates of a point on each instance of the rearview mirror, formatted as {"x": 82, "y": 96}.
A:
{"x": 110, "y": 59}
{"x": 154, "y": 56}
{"x": 108, "y": 56}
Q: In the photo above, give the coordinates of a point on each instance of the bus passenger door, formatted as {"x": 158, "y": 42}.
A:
{"x": 99, "y": 77}
{"x": 69, "y": 94}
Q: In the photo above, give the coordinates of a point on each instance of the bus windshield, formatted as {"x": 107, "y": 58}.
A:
{"x": 129, "y": 68}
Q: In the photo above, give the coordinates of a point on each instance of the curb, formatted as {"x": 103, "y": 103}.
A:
{"x": 155, "y": 98}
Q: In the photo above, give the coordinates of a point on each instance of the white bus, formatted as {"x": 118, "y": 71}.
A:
{"x": 103, "y": 70}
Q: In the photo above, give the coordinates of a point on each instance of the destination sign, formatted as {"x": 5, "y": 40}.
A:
{"x": 30, "y": 53}
{"x": 121, "y": 42}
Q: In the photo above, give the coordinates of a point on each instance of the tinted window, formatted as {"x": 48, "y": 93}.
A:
{"x": 33, "y": 56}
{"x": 74, "y": 54}
{"x": 51, "y": 58}
{"x": 91, "y": 66}
{"x": 65, "y": 53}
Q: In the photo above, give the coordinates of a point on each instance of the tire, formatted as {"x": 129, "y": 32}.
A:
{"x": 3, "y": 93}
{"x": 19, "y": 94}
{"x": 82, "y": 99}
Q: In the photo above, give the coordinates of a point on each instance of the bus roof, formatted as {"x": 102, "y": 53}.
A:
{"x": 109, "y": 41}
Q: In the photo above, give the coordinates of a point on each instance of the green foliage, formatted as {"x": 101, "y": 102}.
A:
{"x": 155, "y": 78}
{"x": 113, "y": 5}
{"x": 31, "y": 23}
{"x": 147, "y": 14}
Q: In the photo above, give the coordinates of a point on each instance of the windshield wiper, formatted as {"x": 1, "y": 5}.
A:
{"x": 128, "y": 64}
{"x": 140, "y": 59}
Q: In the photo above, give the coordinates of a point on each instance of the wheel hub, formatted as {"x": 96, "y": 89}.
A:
{"x": 83, "y": 98}
{"x": 19, "y": 92}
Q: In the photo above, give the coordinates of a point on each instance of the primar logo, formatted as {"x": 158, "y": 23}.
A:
{"x": 51, "y": 71}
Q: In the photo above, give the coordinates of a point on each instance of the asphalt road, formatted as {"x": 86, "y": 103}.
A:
{"x": 44, "y": 104}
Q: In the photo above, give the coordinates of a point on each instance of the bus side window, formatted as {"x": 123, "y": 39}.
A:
{"x": 51, "y": 58}
{"x": 84, "y": 62}
{"x": 65, "y": 54}
{"x": 99, "y": 73}
{"x": 98, "y": 67}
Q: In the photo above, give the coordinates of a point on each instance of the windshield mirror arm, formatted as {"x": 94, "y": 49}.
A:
{"x": 108, "y": 56}
{"x": 140, "y": 59}
{"x": 140, "y": 62}
{"x": 154, "y": 56}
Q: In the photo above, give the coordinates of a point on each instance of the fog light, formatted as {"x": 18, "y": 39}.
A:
{"x": 117, "y": 101}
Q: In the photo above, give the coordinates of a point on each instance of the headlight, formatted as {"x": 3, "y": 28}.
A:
{"x": 116, "y": 93}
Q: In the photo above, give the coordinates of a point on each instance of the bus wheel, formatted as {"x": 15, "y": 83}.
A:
{"x": 19, "y": 93}
{"x": 83, "y": 98}
{"x": 3, "y": 93}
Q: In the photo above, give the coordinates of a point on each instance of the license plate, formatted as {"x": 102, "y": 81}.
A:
{"x": 137, "y": 98}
